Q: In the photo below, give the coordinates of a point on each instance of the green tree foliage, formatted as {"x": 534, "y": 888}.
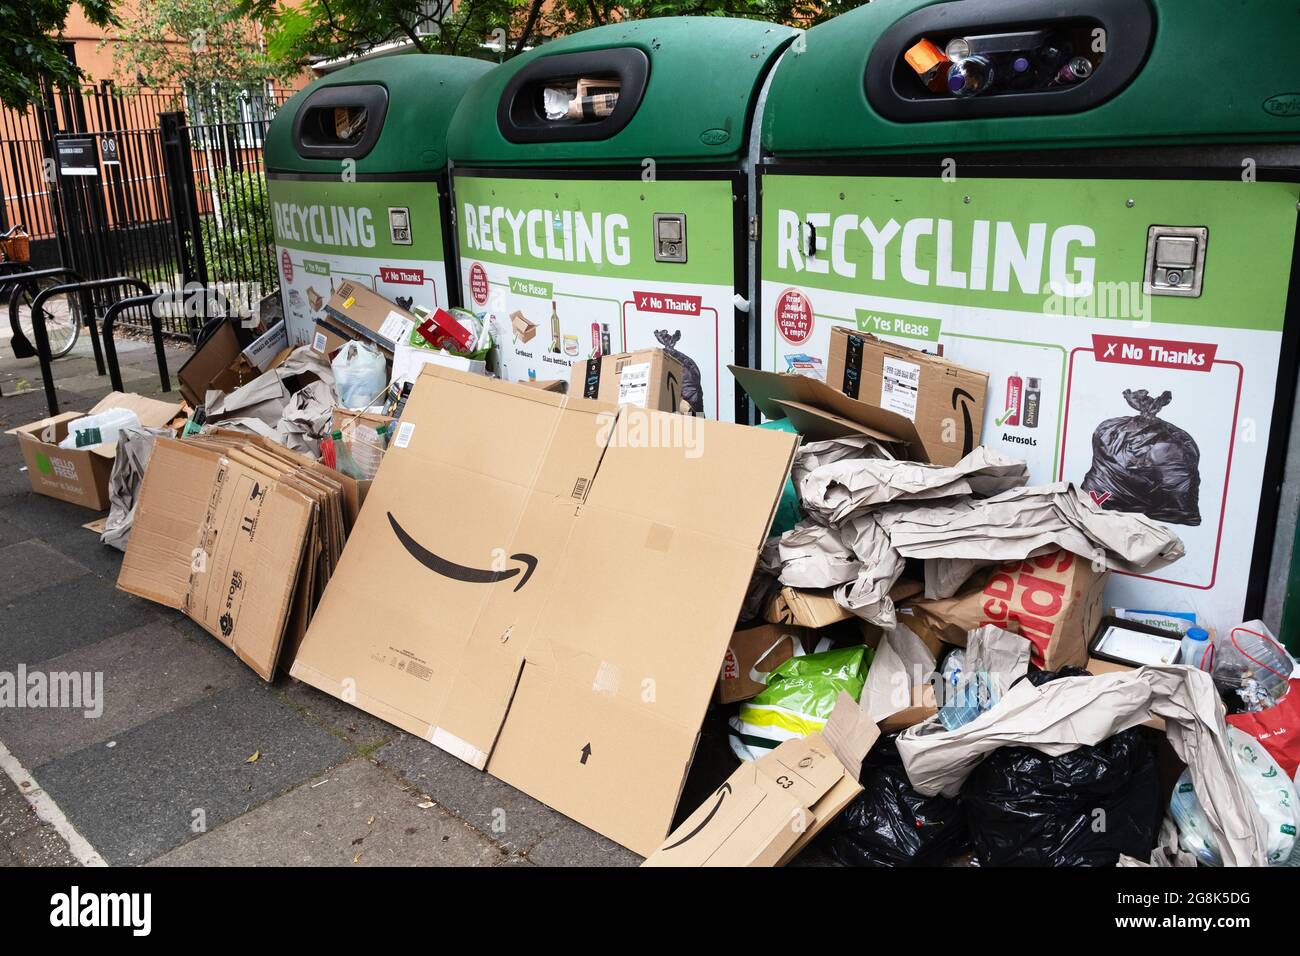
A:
{"x": 492, "y": 29}
{"x": 29, "y": 46}
{"x": 208, "y": 52}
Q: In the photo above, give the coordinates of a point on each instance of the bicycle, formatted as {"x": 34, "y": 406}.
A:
{"x": 62, "y": 314}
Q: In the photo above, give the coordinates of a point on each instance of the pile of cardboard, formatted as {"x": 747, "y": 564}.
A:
{"x": 241, "y": 535}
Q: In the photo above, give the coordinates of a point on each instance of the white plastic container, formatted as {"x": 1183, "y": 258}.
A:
{"x": 98, "y": 429}
{"x": 1196, "y": 649}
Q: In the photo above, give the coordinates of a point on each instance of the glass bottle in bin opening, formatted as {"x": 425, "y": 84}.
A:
{"x": 555, "y": 328}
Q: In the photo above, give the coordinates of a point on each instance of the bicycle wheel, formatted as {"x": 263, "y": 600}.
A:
{"x": 62, "y": 320}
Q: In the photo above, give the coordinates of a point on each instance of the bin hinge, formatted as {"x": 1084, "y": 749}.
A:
{"x": 753, "y": 229}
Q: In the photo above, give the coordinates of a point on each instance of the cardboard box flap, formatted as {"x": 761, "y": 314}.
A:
{"x": 817, "y": 424}
{"x": 770, "y": 389}
{"x": 33, "y": 429}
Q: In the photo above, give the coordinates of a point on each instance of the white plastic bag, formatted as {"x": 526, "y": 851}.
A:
{"x": 360, "y": 373}
{"x": 1275, "y": 798}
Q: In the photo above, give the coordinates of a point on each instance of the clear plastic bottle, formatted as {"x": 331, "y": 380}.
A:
{"x": 343, "y": 460}
{"x": 367, "y": 448}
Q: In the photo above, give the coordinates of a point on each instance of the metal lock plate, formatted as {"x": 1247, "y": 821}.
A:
{"x": 670, "y": 237}
{"x": 1175, "y": 260}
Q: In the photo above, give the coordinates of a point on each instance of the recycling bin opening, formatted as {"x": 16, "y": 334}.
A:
{"x": 588, "y": 95}
{"x": 340, "y": 122}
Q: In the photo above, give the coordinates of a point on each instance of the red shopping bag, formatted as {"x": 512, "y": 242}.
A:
{"x": 1277, "y": 728}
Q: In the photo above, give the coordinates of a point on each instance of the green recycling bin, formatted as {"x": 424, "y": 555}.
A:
{"x": 1095, "y": 203}
{"x": 601, "y": 198}
{"x": 356, "y": 167}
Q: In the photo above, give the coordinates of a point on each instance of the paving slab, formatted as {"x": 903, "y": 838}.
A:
{"x": 11, "y": 534}
{"x": 574, "y": 845}
{"x": 85, "y": 548}
{"x": 32, "y": 566}
{"x": 42, "y": 624}
{"x": 142, "y": 793}
{"x": 356, "y": 815}
{"x": 25, "y": 839}
{"x": 365, "y": 732}
{"x": 43, "y": 516}
{"x": 146, "y": 672}
{"x": 513, "y": 818}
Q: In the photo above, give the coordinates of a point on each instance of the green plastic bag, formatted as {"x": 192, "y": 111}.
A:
{"x": 798, "y": 699}
{"x": 788, "y": 513}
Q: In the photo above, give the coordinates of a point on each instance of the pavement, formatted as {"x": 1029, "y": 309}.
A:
{"x": 194, "y": 760}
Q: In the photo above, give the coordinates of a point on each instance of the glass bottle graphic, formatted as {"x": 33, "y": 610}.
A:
{"x": 555, "y": 328}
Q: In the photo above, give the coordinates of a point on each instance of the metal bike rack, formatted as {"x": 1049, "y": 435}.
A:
{"x": 43, "y": 338}
{"x": 155, "y": 325}
{"x": 23, "y": 348}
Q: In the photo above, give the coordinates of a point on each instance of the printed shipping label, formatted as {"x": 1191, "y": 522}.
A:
{"x": 396, "y": 328}
{"x": 404, "y": 433}
{"x": 634, "y": 384}
{"x": 899, "y": 383}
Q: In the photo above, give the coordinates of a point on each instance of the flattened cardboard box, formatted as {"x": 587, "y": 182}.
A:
{"x": 646, "y": 378}
{"x": 766, "y": 812}
{"x": 927, "y": 389}
{"x": 219, "y": 541}
{"x": 819, "y": 412}
{"x": 357, "y": 312}
{"x": 80, "y": 475}
{"x": 564, "y": 624}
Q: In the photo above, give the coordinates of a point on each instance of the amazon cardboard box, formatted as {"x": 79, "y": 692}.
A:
{"x": 819, "y": 412}
{"x": 646, "y": 378}
{"x": 80, "y": 475}
{"x": 944, "y": 400}
{"x": 573, "y": 608}
{"x": 355, "y": 312}
{"x": 766, "y": 812}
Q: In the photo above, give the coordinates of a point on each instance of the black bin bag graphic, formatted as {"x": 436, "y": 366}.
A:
{"x": 1142, "y": 463}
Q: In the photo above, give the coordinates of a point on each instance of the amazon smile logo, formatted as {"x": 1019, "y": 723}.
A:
{"x": 461, "y": 572}
{"x": 968, "y": 437}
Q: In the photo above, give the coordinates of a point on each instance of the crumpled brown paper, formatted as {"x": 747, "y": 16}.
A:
{"x": 834, "y": 492}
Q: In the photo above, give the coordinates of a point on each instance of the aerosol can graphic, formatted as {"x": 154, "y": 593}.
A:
{"x": 1011, "y": 410}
